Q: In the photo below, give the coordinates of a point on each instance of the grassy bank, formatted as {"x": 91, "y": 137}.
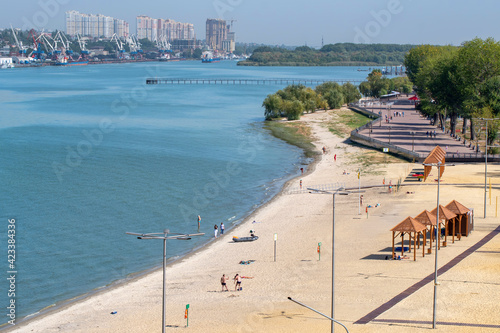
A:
{"x": 344, "y": 121}
{"x": 294, "y": 133}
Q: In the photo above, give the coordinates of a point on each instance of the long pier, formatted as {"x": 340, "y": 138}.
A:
{"x": 188, "y": 81}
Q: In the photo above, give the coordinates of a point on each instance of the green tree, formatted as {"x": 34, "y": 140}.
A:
{"x": 335, "y": 99}
{"x": 365, "y": 88}
{"x": 350, "y": 92}
{"x": 273, "y": 105}
{"x": 415, "y": 59}
{"x": 293, "y": 109}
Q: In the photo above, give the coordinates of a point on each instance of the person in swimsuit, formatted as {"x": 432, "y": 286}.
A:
{"x": 223, "y": 282}
{"x": 237, "y": 281}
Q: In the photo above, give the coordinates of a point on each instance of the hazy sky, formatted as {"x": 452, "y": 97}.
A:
{"x": 290, "y": 22}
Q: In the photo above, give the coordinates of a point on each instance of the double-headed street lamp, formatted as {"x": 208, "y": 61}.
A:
{"x": 413, "y": 140}
{"x": 166, "y": 234}
{"x": 339, "y": 191}
{"x": 486, "y": 160}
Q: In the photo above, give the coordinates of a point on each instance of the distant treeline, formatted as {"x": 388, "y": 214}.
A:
{"x": 340, "y": 54}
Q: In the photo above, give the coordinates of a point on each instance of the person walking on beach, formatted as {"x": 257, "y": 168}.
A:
{"x": 199, "y": 220}
{"x": 216, "y": 229}
{"x": 223, "y": 282}
{"x": 301, "y": 184}
{"x": 237, "y": 282}
{"x": 222, "y": 228}
{"x": 335, "y": 158}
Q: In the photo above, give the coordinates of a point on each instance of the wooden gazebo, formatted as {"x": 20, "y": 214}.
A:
{"x": 448, "y": 216}
{"x": 429, "y": 220}
{"x": 409, "y": 226}
{"x": 464, "y": 220}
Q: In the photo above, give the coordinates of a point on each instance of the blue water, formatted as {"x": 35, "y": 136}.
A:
{"x": 89, "y": 153}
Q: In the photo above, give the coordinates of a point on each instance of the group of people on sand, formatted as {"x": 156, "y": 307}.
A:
{"x": 237, "y": 282}
{"x": 216, "y": 227}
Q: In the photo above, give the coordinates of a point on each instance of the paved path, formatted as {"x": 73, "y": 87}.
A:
{"x": 398, "y": 131}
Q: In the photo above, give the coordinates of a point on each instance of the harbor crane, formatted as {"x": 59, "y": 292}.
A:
{"x": 65, "y": 42}
{"x": 119, "y": 45}
{"x": 37, "y": 54}
{"x": 83, "y": 48}
{"x": 19, "y": 44}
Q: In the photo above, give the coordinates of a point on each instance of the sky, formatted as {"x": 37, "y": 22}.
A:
{"x": 289, "y": 22}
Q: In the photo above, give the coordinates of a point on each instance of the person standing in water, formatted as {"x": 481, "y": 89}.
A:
{"x": 222, "y": 228}
{"x": 199, "y": 220}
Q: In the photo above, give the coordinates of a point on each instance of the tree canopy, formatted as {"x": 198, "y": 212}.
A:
{"x": 462, "y": 81}
{"x": 293, "y": 100}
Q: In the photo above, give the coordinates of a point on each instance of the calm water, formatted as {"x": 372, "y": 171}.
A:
{"x": 89, "y": 153}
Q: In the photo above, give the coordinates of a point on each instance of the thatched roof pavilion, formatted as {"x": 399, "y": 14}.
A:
{"x": 409, "y": 226}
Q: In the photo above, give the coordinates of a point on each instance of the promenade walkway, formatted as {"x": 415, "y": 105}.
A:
{"x": 409, "y": 130}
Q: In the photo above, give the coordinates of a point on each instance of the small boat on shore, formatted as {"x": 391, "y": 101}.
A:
{"x": 245, "y": 239}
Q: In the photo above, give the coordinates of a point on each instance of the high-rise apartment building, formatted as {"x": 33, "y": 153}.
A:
{"x": 153, "y": 29}
{"x": 219, "y": 37}
{"x": 95, "y": 25}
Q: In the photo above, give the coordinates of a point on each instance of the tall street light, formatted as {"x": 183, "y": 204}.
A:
{"x": 486, "y": 161}
{"x": 164, "y": 235}
{"x": 339, "y": 191}
{"x": 412, "y": 141}
{"x": 439, "y": 165}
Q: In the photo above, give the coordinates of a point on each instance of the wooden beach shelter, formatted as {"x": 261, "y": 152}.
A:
{"x": 429, "y": 220}
{"x": 446, "y": 216}
{"x": 437, "y": 155}
{"x": 413, "y": 228}
{"x": 464, "y": 217}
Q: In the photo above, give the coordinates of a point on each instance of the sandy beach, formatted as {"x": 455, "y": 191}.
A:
{"x": 468, "y": 294}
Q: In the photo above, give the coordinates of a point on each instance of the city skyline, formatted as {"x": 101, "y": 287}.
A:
{"x": 290, "y": 23}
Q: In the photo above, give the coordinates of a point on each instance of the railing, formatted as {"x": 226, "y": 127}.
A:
{"x": 368, "y": 141}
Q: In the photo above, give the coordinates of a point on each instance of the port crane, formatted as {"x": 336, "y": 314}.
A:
{"x": 19, "y": 44}
{"x": 50, "y": 47}
{"x": 119, "y": 45}
{"x": 61, "y": 37}
{"x": 37, "y": 53}
{"x": 135, "y": 47}
{"x": 83, "y": 49}
{"x": 162, "y": 44}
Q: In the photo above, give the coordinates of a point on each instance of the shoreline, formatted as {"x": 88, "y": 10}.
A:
{"x": 302, "y": 221}
{"x": 136, "y": 276}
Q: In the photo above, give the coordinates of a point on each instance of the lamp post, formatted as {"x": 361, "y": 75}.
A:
{"x": 338, "y": 191}
{"x": 164, "y": 235}
{"x": 412, "y": 141}
{"x": 486, "y": 161}
{"x": 439, "y": 165}
{"x": 308, "y": 307}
